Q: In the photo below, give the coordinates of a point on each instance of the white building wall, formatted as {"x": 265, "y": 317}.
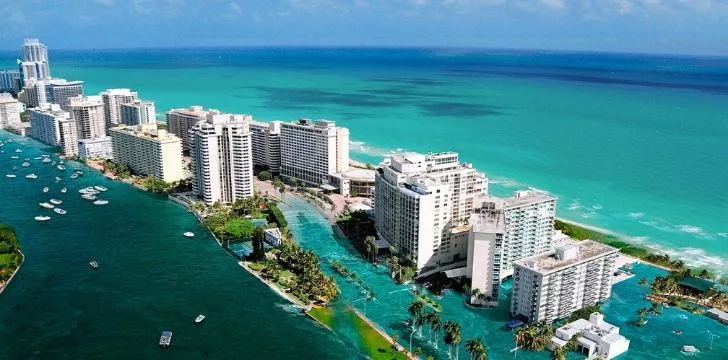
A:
{"x": 99, "y": 148}
{"x": 113, "y": 99}
{"x": 9, "y": 111}
{"x": 138, "y": 113}
{"x": 148, "y": 151}
{"x": 309, "y": 150}
{"x": 89, "y": 115}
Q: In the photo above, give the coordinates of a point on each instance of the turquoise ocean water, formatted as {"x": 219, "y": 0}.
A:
{"x": 634, "y": 144}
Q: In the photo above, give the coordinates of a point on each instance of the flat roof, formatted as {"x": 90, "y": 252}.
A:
{"x": 328, "y": 187}
{"x": 548, "y": 262}
{"x": 360, "y": 174}
{"x": 530, "y": 196}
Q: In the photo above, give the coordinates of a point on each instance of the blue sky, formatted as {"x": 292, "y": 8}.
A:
{"x": 661, "y": 26}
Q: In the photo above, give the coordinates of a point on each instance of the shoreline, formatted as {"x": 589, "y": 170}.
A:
{"x": 292, "y": 299}
{"x": 10, "y": 279}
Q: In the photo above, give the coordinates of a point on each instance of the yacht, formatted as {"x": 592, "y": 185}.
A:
{"x": 100, "y": 188}
{"x": 101, "y": 202}
{"x": 26, "y": 164}
{"x": 45, "y": 189}
{"x": 166, "y": 339}
{"x": 89, "y": 196}
{"x": 94, "y": 264}
{"x": 31, "y": 176}
{"x": 200, "y": 318}
{"x": 189, "y": 234}
{"x": 60, "y": 211}
{"x": 46, "y": 160}
{"x": 73, "y": 176}
{"x": 18, "y": 150}
{"x": 15, "y": 157}
{"x": 56, "y": 201}
{"x": 10, "y": 175}
{"x": 64, "y": 190}
{"x": 42, "y": 218}
{"x": 690, "y": 349}
{"x": 46, "y": 205}
{"x": 61, "y": 167}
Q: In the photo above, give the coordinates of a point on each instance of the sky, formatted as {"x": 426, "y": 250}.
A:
{"x": 698, "y": 27}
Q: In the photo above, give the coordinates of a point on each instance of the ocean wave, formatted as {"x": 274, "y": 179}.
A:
{"x": 597, "y": 207}
{"x": 506, "y": 182}
{"x": 636, "y": 215}
{"x": 693, "y": 257}
{"x": 722, "y": 234}
{"x": 691, "y": 229}
{"x": 574, "y": 205}
{"x": 363, "y": 148}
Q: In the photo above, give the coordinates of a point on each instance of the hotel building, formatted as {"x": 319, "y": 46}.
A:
{"x": 98, "y": 148}
{"x": 312, "y": 151}
{"x": 148, "y": 151}
{"x": 113, "y": 99}
{"x": 34, "y": 60}
{"x": 10, "y": 80}
{"x": 554, "y": 284}
{"x": 221, "y": 158}
{"x": 422, "y": 203}
{"x": 180, "y": 121}
{"x": 266, "y": 137}
{"x": 9, "y": 111}
{"x": 138, "y": 112}
{"x": 60, "y": 91}
{"x": 89, "y": 115}
{"x": 53, "y": 126}
{"x": 34, "y": 94}
{"x": 485, "y": 251}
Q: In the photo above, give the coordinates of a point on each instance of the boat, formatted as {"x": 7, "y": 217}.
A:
{"x": 15, "y": 157}
{"x": 200, "y": 318}
{"x": 56, "y": 201}
{"x": 46, "y": 205}
{"x": 101, "y": 202}
{"x": 189, "y": 234}
{"x": 684, "y": 317}
{"x": 18, "y": 150}
{"x": 45, "y": 189}
{"x": 100, "y": 188}
{"x": 38, "y": 158}
{"x": 292, "y": 308}
{"x": 31, "y": 176}
{"x": 11, "y": 175}
{"x": 53, "y": 163}
{"x": 61, "y": 167}
{"x": 690, "y": 349}
{"x": 58, "y": 179}
{"x": 73, "y": 176}
{"x": 166, "y": 339}
{"x": 60, "y": 211}
{"x": 78, "y": 172}
{"x": 46, "y": 160}
{"x": 64, "y": 190}
{"x": 25, "y": 164}
{"x": 89, "y": 196}
{"x": 677, "y": 332}
{"x": 61, "y": 162}
{"x": 94, "y": 264}
{"x": 42, "y": 218}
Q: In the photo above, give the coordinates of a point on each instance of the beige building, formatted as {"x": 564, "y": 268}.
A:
{"x": 9, "y": 111}
{"x": 485, "y": 252}
{"x": 148, "y": 151}
{"x": 113, "y": 99}
{"x": 53, "y": 126}
{"x": 266, "y": 137}
{"x": 180, "y": 121}
{"x": 88, "y": 112}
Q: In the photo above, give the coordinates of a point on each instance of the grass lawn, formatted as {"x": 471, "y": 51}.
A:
{"x": 323, "y": 314}
{"x": 376, "y": 346}
{"x": 5, "y": 260}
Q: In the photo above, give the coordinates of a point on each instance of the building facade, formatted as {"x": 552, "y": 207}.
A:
{"x": 420, "y": 199}
{"x": 221, "y": 158}
{"x": 312, "y": 151}
{"x": 138, "y": 112}
{"x": 552, "y": 285}
{"x": 9, "y": 111}
{"x": 34, "y": 62}
{"x": 485, "y": 252}
{"x": 113, "y": 99}
{"x": 596, "y": 338}
{"x": 88, "y": 112}
{"x": 148, "y": 151}
{"x": 180, "y": 121}
{"x": 60, "y": 91}
{"x": 98, "y": 148}
{"x": 266, "y": 138}
{"x": 34, "y": 94}
{"x": 53, "y": 126}
{"x": 10, "y": 80}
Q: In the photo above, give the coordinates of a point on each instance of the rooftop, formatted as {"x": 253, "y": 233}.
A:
{"x": 566, "y": 256}
{"x": 150, "y": 132}
{"x": 488, "y": 221}
{"x": 360, "y": 174}
{"x": 530, "y": 196}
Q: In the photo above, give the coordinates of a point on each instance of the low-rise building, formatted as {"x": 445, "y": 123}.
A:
{"x": 148, "y": 151}
{"x": 554, "y": 284}
{"x": 98, "y": 148}
{"x": 273, "y": 236}
{"x": 596, "y": 337}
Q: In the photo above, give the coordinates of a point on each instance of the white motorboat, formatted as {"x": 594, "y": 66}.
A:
{"x": 61, "y": 167}
{"x": 25, "y": 164}
{"x": 11, "y": 175}
{"x": 60, "y": 211}
{"x": 166, "y": 339}
{"x": 56, "y": 201}
{"x": 200, "y": 318}
{"x": 101, "y": 202}
{"x": 42, "y": 218}
{"x": 45, "y": 189}
{"x": 58, "y": 179}
{"x": 94, "y": 264}
{"x": 690, "y": 349}
{"x": 46, "y": 160}
{"x": 100, "y": 188}
{"x": 31, "y": 176}
{"x": 18, "y": 150}
{"x": 189, "y": 234}
{"x": 64, "y": 190}
{"x": 61, "y": 162}
{"x": 15, "y": 157}
{"x": 73, "y": 176}
{"x": 89, "y": 196}
{"x": 46, "y": 205}
{"x": 38, "y": 158}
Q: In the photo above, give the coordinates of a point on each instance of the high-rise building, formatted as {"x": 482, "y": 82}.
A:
{"x": 98, "y": 148}
{"x": 34, "y": 94}
{"x": 34, "y": 51}
{"x": 485, "y": 252}
{"x": 10, "y": 80}
{"x": 552, "y": 285}
{"x": 267, "y": 145}
{"x": 148, "y": 151}
{"x": 530, "y": 216}
{"x": 53, "y": 126}
{"x": 422, "y": 201}
{"x": 60, "y": 91}
{"x": 221, "y": 158}
{"x": 89, "y": 115}
{"x": 113, "y": 99}
{"x": 180, "y": 121}
{"x": 312, "y": 151}
{"x": 138, "y": 112}
{"x": 9, "y": 111}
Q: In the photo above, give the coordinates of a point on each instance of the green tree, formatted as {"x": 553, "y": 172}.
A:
{"x": 258, "y": 251}
{"x": 239, "y": 228}
{"x": 417, "y": 352}
{"x": 265, "y": 175}
{"x": 394, "y": 345}
{"x": 643, "y": 282}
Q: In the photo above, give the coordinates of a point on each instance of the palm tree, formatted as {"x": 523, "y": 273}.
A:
{"x": 436, "y": 326}
{"x": 559, "y": 354}
{"x": 394, "y": 345}
{"x": 471, "y": 346}
{"x": 643, "y": 282}
{"x": 456, "y": 338}
{"x": 447, "y": 338}
{"x": 368, "y": 242}
{"x": 475, "y": 295}
{"x": 417, "y": 352}
{"x": 415, "y": 309}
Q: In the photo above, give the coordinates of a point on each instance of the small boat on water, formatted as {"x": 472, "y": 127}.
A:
{"x": 42, "y": 218}
{"x": 166, "y": 339}
{"x": 89, "y": 196}
{"x": 38, "y": 158}
{"x": 100, "y": 188}
{"x": 94, "y": 264}
{"x": 677, "y": 332}
{"x": 200, "y": 318}
{"x": 31, "y": 176}
{"x": 101, "y": 202}
{"x": 73, "y": 176}
{"x": 61, "y": 167}
{"x": 58, "y": 179}
{"x": 60, "y": 211}
{"x": 64, "y": 190}
{"x": 78, "y": 172}
{"x": 61, "y": 162}
{"x": 690, "y": 349}
{"x": 10, "y": 175}
{"x": 292, "y": 308}
{"x": 684, "y": 317}
{"x": 15, "y": 157}
{"x": 46, "y": 205}
{"x": 18, "y": 150}
{"x": 56, "y": 201}
{"x": 46, "y": 160}
{"x": 45, "y": 189}
{"x": 189, "y": 234}
{"x": 25, "y": 164}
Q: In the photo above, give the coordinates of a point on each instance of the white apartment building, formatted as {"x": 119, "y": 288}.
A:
{"x": 419, "y": 202}
{"x": 138, "y": 112}
{"x": 312, "y": 151}
{"x": 485, "y": 251}
{"x": 554, "y": 284}
{"x": 597, "y": 337}
{"x": 97, "y": 148}
{"x": 89, "y": 115}
{"x": 9, "y": 111}
{"x": 60, "y": 91}
{"x": 53, "y": 126}
{"x": 221, "y": 158}
{"x": 34, "y": 94}
{"x": 10, "y": 80}
{"x": 148, "y": 151}
{"x": 180, "y": 121}
{"x": 34, "y": 60}
{"x": 266, "y": 137}
{"x": 113, "y": 99}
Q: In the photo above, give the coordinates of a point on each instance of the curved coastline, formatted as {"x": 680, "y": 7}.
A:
{"x": 10, "y": 279}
